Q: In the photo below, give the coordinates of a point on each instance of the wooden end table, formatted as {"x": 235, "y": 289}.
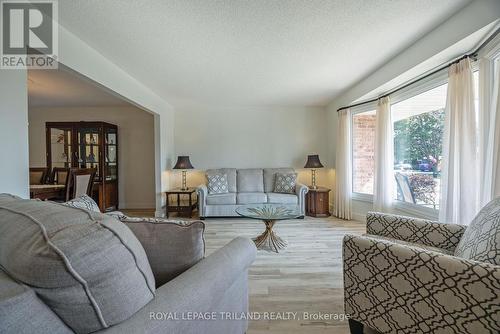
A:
{"x": 186, "y": 202}
{"x": 318, "y": 202}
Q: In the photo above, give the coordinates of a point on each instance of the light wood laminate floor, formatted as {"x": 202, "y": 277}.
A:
{"x": 305, "y": 277}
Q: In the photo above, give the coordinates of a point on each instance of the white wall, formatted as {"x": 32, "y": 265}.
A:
{"x": 136, "y": 154}
{"x": 14, "y": 175}
{"x": 251, "y": 137}
{"x": 79, "y": 56}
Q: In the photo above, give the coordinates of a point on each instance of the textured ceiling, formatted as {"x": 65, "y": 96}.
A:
{"x": 259, "y": 52}
{"x": 65, "y": 88}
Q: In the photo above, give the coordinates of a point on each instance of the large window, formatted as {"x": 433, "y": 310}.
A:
{"x": 363, "y": 145}
{"x": 418, "y": 144}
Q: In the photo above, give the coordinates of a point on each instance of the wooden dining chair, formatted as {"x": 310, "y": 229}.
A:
{"x": 59, "y": 175}
{"x": 80, "y": 182}
{"x": 38, "y": 175}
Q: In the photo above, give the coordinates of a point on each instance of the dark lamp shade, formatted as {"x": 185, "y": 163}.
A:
{"x": 183, "y": 162}
{"x": 313, "y": 162}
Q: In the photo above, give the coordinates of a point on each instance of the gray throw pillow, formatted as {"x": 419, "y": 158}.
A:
{"x": 481, "y": 239}
{"x": 172, "y": 247}
{"x": 87, "y": 267}
{"x": 285, "y": 183}
{"x": 217, "y": 184}
{"x": 83, "y": 202}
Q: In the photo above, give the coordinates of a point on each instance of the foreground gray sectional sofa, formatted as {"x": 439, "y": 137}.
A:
{"x": 73, "y": 270}
{"x": 248, "y": 186}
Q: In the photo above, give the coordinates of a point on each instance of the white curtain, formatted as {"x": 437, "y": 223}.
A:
{"x": 460, "y": 171}
{"x": 384, "y": 157}
{"x": 489, "y": 131}
{"x": 343, "y": 169}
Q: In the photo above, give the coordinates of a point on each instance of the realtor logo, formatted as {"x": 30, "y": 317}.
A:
{"x": 29, "y": 36}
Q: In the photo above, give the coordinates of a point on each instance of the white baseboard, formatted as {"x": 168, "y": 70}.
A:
{"x": 136, "y": 205}
{"x": 355, "y": 216}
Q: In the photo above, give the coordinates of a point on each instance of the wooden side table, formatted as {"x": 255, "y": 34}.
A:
{"x": 318, "y": 202}
{"x": 185, "y": 201}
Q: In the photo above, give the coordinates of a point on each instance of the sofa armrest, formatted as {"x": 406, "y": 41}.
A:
{"x": 198, "y": 290}
{"x": 425, "y": 232}
{"x": 301, "y": 191}
{"x": 202, "y": 192}
{"x": 401, "y": 289}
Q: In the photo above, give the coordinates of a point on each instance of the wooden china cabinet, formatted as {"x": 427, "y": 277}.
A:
{"x": 87, "y": 145}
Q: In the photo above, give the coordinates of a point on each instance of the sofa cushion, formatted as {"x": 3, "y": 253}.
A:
{"x": 270, "y": 177}
{"x": 172, "y": 247}
{"x": 217, "y": 184}
{"x": 217, "y": 199}
{"x": 231, "y": 176}
{"x": 88, "y": 267}
{"x": 83, "y": 202}
{"x": 250, "y": 180}
{"x": 251, "y": 198}
{"x": 481, "y": 239}
{"x": 21, "y": 311}
{"x": 278, "y": 198}
{"x": 285, "y": 183}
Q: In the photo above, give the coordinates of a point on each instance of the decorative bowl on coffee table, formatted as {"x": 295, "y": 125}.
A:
{"x": 269, "y": 214}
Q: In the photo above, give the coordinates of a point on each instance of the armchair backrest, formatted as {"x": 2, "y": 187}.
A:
{"x": 481, "y": 239}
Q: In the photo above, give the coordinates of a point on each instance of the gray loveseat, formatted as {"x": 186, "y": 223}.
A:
{"x": 247, "y": 186}
{"x": 72, "y": 270}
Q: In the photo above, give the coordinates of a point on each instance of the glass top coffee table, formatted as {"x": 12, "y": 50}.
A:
{"x": 269, "y": 214}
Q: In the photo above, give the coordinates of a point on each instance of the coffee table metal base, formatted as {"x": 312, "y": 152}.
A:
{"x": 269, "y": 240}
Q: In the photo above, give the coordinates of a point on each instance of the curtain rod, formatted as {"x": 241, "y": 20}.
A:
{"x": 472, "y": 55}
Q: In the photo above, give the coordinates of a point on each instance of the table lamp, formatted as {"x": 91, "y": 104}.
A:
{"x": 313, "y": 163}
{"x": 183, "y": 163}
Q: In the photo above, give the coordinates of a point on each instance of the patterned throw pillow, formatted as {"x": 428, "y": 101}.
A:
{"x": 285, "y": 183}
{"x": 481, "y": 239}
{"x": 83, "y": 202}
{"x": 217, "y": 184}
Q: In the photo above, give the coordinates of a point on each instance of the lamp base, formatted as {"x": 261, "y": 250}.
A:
{"x": 184, "y": 186}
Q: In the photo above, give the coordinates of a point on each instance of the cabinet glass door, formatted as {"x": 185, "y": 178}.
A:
{"x": 60, "y": 147}
{"x": 88, "y": 149}
{"x": 111, "y": 163}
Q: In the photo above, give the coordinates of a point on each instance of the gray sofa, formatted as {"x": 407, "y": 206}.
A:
{"x": 72, "y": 270}
{"x": 247, "y": 186}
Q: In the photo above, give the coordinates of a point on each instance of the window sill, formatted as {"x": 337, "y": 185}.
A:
{"x": 417, "y": 210}
{"x": 402, "y": 207}
{"x": 362, "y": 197}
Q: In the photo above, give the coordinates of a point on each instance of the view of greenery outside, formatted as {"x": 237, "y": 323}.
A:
{"x": 417, "y": 154}
{"x": 419, "y": 137}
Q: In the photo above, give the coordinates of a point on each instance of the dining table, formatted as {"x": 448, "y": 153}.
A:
{"x": 46, "y": 191}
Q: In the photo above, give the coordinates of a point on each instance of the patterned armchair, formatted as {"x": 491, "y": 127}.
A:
{"x": 409, "y": 275}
